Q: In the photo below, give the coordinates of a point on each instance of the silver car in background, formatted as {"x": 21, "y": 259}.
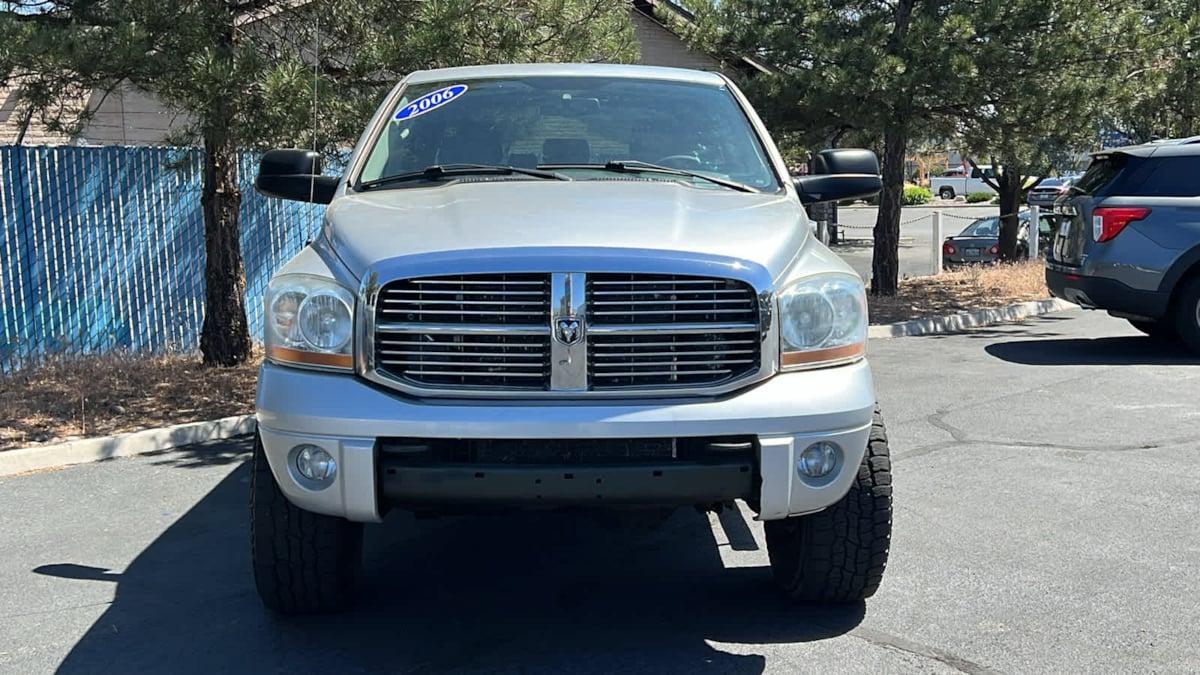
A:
{"x": 979, "y": 242}
{"x": 1049, "y": 190}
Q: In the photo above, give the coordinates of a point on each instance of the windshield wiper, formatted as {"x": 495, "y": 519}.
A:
{"x": 638, "y": 166}
{"x": 440, "y": 171}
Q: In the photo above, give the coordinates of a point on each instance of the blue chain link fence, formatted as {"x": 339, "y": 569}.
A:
{"x": 102, "y": 249}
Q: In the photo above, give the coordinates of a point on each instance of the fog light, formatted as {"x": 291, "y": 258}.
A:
{"x": 818, "y": 459}
{"x": 314, "y": 463}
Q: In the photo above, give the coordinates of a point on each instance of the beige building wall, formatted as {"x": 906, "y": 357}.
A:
{"x": 130, "y": 117}
{"x": 661, "y": 47}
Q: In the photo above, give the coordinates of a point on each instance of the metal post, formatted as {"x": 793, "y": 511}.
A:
{"x": 823, "y": 231}
{"x": 937, "y": 242}
{"x": 1034, "y": 245}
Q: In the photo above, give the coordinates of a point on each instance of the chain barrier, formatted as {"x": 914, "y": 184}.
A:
{"x": 958, "y": 217}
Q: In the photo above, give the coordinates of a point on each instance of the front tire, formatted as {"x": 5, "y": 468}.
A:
{"x": 838, "y": 555}
{"x": 304, "y": 562}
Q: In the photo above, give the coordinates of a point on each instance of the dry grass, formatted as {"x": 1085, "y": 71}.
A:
{"x": 101, "y": 395}
{"x": 976, "y": 287}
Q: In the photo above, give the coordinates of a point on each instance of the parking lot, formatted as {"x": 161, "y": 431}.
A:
{"x": 1046, "y": 508}
{"x": 916, "y": 234}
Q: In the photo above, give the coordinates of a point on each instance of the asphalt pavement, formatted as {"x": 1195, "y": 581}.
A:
{"x": 1046, "y": 510}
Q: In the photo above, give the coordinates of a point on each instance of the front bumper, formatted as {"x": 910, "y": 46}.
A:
{"x": 348, "y": 418}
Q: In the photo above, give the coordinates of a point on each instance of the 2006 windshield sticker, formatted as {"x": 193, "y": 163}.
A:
{"x": 431, "y": 101}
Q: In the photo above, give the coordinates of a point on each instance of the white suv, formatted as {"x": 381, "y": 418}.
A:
{"x": 578, "y": 286}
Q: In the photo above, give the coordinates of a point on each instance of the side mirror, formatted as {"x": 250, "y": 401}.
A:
{"x": 840, "y": 173}
{"x": 295, "y": 174}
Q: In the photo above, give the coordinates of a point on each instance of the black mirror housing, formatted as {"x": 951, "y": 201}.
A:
{"x": 295, "y": 174}
{"x": 845, "y": 160}
{"x": 840, "y": 173}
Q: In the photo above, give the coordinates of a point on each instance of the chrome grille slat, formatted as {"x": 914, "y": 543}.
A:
{"x": 460, "y": 364}
{"x": 672, "y": 364}
{"x": 478, "y": 282}
{"x": 677, "y": 373}
{"x": 483, "y": 303}
{"x": 426, "y": 328}
{"x": 667, "y": 280}
{"x": 465, "y": 374}
{"x": 480, "y": 355}
{"x": 692, "y": 343}
{"x": 462, "y": 291}
{"x": 627, "y": 354}
{"x": 459, "y": 312}
{"x": 659, "y": 312}
{"x": 673, "y": 329}
{"x": 681, "y": 291}
{"x": 640, "y": 303}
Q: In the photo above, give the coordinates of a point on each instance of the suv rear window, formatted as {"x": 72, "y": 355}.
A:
{"x": 1164, "y": 177}
{"x": 1101, "y": 172}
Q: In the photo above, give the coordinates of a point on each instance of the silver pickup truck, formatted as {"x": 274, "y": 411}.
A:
{"x": 566, "y": 287}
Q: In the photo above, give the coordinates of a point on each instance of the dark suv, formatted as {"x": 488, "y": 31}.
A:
{"x": 1129, "y": 241}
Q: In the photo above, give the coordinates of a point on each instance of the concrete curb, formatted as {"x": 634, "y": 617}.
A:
{"x": 123, "y": 445}
{"x": 954, "y": 323}
{"x": 155, "y": 440}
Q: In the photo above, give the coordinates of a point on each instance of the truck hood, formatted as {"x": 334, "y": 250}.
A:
{"x": 490, "y": 217}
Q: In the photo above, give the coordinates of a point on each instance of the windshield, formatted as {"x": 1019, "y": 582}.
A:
{"x": 984, "y": 227}
{"x": 572, "y": 122}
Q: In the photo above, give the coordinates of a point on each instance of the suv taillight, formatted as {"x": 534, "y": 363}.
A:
{"x": 1108, "y": 221}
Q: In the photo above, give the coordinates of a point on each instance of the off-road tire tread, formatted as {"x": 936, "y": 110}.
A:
{"x": 304, "y": 562}
{"x": 838, "y": 555}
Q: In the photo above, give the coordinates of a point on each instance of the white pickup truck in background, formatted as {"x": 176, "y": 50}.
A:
{"x": 960, "y": 182}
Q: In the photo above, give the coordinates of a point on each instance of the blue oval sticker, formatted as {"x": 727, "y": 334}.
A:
{"x": 431, "y": 101}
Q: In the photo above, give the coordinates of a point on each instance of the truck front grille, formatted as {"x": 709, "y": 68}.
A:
{"x": 466, "y": 331}
{"x": 694, "y": 331}
{"x": 640, "y": 332}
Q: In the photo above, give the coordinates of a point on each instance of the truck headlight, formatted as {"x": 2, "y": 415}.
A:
{"x": 310, "y": 322}
{"x": 822, "y": 321}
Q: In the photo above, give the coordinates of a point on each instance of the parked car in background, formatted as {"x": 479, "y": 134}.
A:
{"x": 979, "y": 242}
{"x": 1129, "y": 239}
{"x": 1050, "y": 189}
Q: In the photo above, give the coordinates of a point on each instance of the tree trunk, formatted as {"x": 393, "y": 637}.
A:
{"x": 225, "y": 339}
{"x": 1009, "y": 181}
{"x": 885, "y": 260}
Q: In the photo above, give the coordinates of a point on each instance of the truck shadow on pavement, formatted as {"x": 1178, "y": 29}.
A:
{"x": 1132, "y": 350}
{"x": 523, "y": 593}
